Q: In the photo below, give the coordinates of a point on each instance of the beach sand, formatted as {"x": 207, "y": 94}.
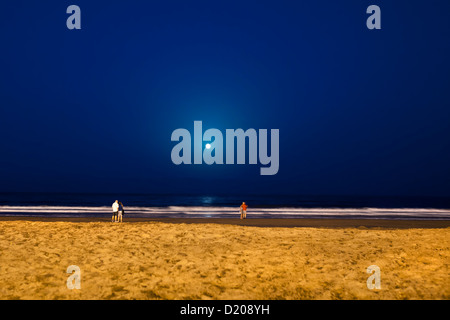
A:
{"x": 216, "y": 259}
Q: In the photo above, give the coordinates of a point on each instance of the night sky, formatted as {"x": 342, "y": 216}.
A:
{"x": 360, "y": 112}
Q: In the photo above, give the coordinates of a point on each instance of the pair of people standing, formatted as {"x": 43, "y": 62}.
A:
{"x": 118, "y": 211}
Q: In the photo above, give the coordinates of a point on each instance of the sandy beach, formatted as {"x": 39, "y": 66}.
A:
{"x": 223, "y": 258}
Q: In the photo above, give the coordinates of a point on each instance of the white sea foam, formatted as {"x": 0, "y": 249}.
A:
{"x": 177, "y": 211}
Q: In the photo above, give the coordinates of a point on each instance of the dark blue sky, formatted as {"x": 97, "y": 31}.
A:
{"x": 360, "y": 111}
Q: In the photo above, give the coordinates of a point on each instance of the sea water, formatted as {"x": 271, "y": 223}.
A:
{"x": 224, "y": 206}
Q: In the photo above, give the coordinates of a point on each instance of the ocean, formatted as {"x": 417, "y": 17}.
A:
{"x": 224, "y": 206}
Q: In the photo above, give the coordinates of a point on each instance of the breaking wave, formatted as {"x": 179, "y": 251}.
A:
{"x": 228, "y": 212}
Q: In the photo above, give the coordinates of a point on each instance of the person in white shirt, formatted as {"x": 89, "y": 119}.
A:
{"x": 115, "y": 209}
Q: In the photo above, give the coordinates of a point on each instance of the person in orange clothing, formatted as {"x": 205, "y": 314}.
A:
{"x": 243, "y": 210}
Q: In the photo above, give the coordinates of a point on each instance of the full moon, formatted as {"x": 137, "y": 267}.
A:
{"x": 208, "y": 146}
